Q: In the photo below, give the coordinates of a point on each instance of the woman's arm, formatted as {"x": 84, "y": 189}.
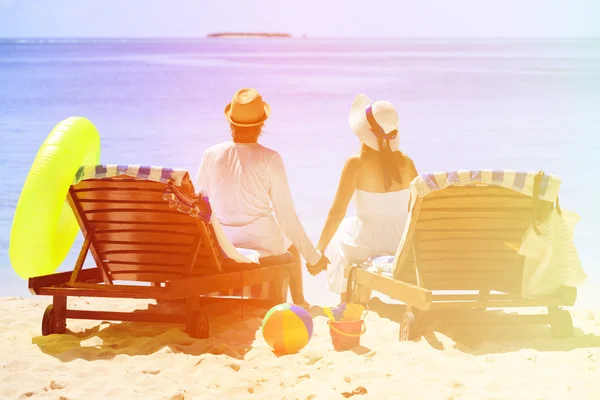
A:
{"x": 345, "y": 190}
{"x": 285, "y": 212}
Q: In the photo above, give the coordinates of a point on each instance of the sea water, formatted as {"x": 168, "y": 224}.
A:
{"x": 525, "y": 105}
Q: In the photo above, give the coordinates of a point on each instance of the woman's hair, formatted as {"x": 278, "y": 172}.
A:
{"x": 389, "y": 166}
{"x": 245, "y": 134}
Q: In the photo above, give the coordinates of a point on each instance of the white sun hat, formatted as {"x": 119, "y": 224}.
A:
{"x": 374, "y": 122}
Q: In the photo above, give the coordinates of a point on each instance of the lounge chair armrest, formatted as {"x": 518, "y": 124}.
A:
{"x": 90, "y": 275}
{"x": 348, "y": 268}
{"x": 410, "y": 294}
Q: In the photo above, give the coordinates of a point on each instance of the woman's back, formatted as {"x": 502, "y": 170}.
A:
{"x": 371, "y": 176}
{"x": 381, "y": 207}
{"x": 382, "y": 211}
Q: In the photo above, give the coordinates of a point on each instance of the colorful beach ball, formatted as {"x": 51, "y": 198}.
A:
{"x": 287, "y": 328}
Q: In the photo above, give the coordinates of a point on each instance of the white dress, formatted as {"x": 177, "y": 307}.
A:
{"x": 374, "y": 231}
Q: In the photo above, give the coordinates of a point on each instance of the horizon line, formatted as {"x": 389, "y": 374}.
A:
{"x": 291, "y": 36}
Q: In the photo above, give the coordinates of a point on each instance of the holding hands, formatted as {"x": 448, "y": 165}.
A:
{"x": 319, "y": 267}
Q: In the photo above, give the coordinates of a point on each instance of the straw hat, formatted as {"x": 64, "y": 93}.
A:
{"x": 247, "y": 108}
{"x": 374, "y": 120}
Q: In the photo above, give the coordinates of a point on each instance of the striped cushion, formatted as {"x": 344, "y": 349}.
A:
{"x": 521, "y": 182}
{"x": 157, "y": 174}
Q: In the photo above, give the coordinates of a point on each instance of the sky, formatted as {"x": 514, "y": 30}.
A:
{"x": 331, "y": 18}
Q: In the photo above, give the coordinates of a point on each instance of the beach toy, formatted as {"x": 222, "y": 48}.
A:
{"x": 44, "y": 227}
{"x": 353, "y": 312}
{"x": 344, "y": 312}
{"x": 287, "y": 328}
{"x": 327, "y": 312}
{"x": 338, "y": 312}
{"x": 346, "y": 335}
{"x": 347, "y": 326}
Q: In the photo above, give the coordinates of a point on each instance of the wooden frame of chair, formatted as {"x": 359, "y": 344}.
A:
{"x": 465, "y": 238}
{"x": 133, "y": 235}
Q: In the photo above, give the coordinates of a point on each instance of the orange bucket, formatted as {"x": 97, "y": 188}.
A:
{"x": 346, "y": 335}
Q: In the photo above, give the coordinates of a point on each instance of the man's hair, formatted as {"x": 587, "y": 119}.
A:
{"x": 245, "y": 134}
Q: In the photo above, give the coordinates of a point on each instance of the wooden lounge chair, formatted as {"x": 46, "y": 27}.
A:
{"x": 462, "y": 235}
{"x": 144, "y": 225}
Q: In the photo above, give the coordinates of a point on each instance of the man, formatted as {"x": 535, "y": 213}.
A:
{"x": 249, "y": 191}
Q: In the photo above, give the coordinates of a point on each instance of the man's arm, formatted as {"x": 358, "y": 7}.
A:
{"x": 202, "y": 175}
{"x": 285, "y": 212}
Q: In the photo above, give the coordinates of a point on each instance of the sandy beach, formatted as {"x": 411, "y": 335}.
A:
{"x": 522, "y": 105}
{"x": 99, "y": 360}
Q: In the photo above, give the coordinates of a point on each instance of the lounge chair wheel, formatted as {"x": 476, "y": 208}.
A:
{"x": 199, "y": 328}
{"x": 409, "y": 330}
{"x": 48, "y": 322}
{"x": 561, "y": 323}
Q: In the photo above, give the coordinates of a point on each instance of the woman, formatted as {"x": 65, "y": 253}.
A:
{"x": 249, "y": 192}
{"x": 378, "y": 178}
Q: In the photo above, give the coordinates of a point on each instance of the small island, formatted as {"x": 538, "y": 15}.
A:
{"x": 248, "y": 35}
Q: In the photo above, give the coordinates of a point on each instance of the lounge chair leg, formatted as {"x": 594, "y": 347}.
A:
{"x": 364, "y": 294}
{"x": 192, "y": 304}
{"x": 351, "y": 287}
{"x": 60, "y": 314}
{"x": 561, "y": 323}
{"x": 54, "y": 320}
{"x": 358, "y": 294}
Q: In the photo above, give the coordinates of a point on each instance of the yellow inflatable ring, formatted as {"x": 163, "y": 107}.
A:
{"x": 44, "y": 227}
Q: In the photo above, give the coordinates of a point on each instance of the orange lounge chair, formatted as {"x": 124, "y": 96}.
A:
{"x": 463, "y": 235}
{"x": 145, "y": 225}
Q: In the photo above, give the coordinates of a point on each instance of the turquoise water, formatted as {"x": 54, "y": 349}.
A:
{"x": 523, "y": 105}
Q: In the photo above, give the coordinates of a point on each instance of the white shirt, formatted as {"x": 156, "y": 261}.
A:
{"x": 246, "y": 183}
